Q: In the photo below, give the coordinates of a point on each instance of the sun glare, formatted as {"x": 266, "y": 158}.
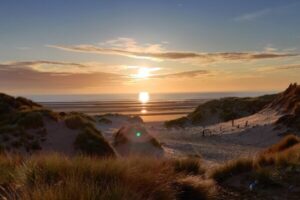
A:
{"x": 143, "y": 72}
{"x": 144, "y": 97}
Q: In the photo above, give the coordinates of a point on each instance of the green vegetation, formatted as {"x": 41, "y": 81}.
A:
{"x": 55, "y": 177}
{"x": 31, "y": 120}
{"x": 221, "y": 110}
{"x": 20, "y": 119}
{"x": 104, "y": 120}
{"x": 89, "y": 140}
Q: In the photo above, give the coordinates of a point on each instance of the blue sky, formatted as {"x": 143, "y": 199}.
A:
{"x": 36, "y": 30}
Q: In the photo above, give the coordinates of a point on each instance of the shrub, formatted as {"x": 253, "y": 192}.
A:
{"x": 90, "y": 141}
{"x": 189, "y": 165}
{"x": 104, "y": 120}
{"x": 21, "y": 101}
{"x": 33, "y": 119}
{"x": 76, "y": 121}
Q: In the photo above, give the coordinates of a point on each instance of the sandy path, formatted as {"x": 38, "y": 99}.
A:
{"x": 224, "y": 142}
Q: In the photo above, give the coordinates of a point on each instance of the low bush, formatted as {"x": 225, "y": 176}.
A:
{"x": 75, "y": 122}
{"x": 33, "y": 120}
{"x": 90, "y": 141}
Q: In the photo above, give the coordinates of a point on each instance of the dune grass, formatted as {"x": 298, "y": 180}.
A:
{"x": 278, "y": 158}
{"x": 284, "y": 144}
{"x": 189, "y": 165}
{"x": 57, "y": 177}
{"x": 89, "y": 141}
{"x": 275, "y": 173}
{"x": 221, "y": 110}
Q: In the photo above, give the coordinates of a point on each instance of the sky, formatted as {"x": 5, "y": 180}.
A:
{"x": 127, "y": 46}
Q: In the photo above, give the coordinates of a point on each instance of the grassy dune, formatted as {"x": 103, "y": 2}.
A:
{"x": 274, "y": 172}
{"x": 220, "y": 110}
{"x": 23, "y": 128}
{"x": 55, "y": 177}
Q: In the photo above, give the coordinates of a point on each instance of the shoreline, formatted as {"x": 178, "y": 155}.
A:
{"x": 158, "y": 111}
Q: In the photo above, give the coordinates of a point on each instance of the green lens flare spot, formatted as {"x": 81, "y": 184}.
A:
{"x": 138, "y": 134}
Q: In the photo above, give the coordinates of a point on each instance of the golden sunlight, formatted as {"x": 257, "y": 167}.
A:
{"x": 143, "y": 72}
{"x": 144, "y": 97}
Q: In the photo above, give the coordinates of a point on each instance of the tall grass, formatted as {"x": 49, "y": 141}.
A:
{"x": 55, "y": 177}
{"x": 284, "y": 154}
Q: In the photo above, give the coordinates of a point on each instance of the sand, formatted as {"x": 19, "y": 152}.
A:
{"x": 221, "y": 141}
{"x": 60, "y": 138}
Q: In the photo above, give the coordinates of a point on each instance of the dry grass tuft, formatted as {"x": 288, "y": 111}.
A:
{"x": 55, "y": 177}
{"x": 195, "y": 188}
{"x": 286, "y": 143}
{"x": 190, "y": 165}
{"x": 232, "y": 168}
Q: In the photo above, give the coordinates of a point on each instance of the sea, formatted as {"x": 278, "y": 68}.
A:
{"x": 160, "y": 107}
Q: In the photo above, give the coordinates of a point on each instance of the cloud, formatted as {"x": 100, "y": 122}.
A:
{"x": 286, "y": 8}
{"x": 23, "y": 76}
{"x": 63, "y": 67}
{"x": 278, "y": 68}
{"x": 253, "y": 15}
{"x": 129, "y": 48}
{"x": 185, "y": 74}
{"x": 29, "y": 76}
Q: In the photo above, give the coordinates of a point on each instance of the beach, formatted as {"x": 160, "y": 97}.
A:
{"x": 161, "y": 107}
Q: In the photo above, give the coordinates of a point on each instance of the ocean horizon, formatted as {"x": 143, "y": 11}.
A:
{"x": 134, "y": 96}
{"x": 159, "y": 107}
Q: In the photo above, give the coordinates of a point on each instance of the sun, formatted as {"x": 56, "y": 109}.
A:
{"x": 144, "y": 97}
{"x": 143, "y": 73}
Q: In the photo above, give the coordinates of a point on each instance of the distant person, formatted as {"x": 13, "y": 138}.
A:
{"x": 246, "y": 123}
{"x": 232, "y": 122}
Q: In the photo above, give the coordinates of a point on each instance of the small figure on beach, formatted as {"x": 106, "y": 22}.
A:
{"x": 232, "y": 122}
{"x": 246, "y": 123}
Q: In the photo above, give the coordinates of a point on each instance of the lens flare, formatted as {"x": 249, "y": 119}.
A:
{"x": 138, "y": 134}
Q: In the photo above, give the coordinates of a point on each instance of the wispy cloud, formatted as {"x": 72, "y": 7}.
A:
{"x": 185, "y": 74}
{"x": 253, "y": 15}
{"x": 61, "y": 67}
{"x": 24, "y": 75}
{"x": 279, "y": 68}
{"x": 30, "y": 75}
{"x": 155, "y": 52}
